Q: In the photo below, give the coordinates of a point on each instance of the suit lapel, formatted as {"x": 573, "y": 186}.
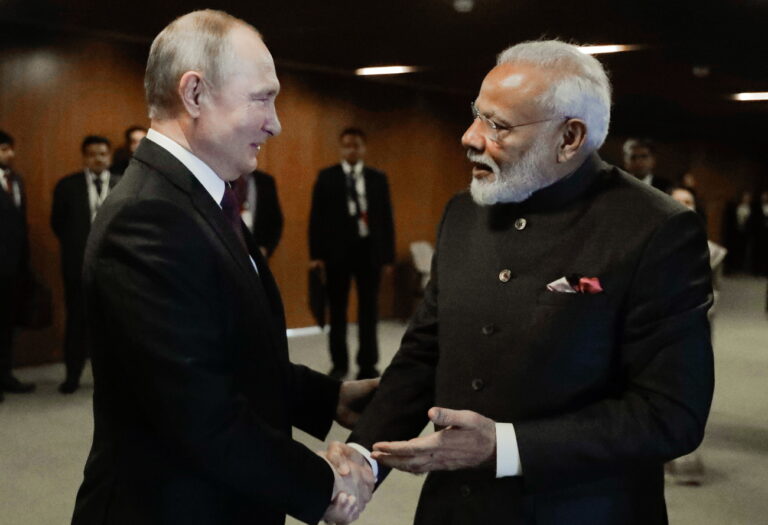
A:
{"x": 178, "y": 174}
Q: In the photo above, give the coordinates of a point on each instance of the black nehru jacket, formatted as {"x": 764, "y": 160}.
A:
{"x": 602, "y": 388}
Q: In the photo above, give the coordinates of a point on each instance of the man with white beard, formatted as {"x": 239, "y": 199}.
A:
{"x": 562, "y": 348}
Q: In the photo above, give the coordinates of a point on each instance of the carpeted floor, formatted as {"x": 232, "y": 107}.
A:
{"x": 45, "y": 437}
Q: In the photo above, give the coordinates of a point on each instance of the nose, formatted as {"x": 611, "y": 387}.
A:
{"x": 472, "y": 138}
{"x": 272, "y": 124}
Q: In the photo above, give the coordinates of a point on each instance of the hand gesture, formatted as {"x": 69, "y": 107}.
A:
{"x": 467, "y": 441}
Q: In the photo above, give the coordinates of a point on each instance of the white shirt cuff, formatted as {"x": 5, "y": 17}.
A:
{"x": 372, "y": 462}
{"x": 507, "y": 453}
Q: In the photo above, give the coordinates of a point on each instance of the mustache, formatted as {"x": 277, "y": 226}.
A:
{"x": 480, "y": 158}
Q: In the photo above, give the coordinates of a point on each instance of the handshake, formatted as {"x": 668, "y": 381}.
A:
{"x": 353, "y": 483}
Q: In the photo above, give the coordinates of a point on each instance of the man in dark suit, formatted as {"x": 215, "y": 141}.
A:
{"x": 351, "y": 234}
{"x": 76, "y": 199}
{"x": 14, "y": 261}
{"x": 640, "y": 160}
{"x": 562, "y": 348}
{"x": 194, "y": 395}
{"x": 260, "y": 209}
{"x": 123, "y": 154}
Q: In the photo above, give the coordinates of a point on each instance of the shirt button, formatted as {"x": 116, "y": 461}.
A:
{"x": 505, "y": 276}
{"x": 465, "y": 491}
{"x": 478, "y": 384}
{"x": 520, "y": 224}
{"x": 489, "y": 329}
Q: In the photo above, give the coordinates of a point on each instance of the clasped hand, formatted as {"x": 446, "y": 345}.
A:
{"x": 353, "y": 483}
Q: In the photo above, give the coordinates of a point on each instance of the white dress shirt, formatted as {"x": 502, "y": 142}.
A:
{"x": 11, "y": 187}
{"x": 212, "y": 183}
{"x": 95, "y": 197}
{"x": 356, "y": 172}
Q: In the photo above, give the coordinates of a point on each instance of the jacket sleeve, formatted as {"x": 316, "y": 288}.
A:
{"x": 156, "y": 276}
{"x": 58, "y": 210}
{"x": 666, "y": 382}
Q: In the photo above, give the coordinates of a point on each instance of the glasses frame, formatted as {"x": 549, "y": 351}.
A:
{"x": 496, "y": 129}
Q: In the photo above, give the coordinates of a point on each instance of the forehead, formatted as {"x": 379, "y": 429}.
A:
{"x": 640, "y": 151}
{"x": 513, "y": 86}
{"x": 98, "y": 147}
{"x": 251, "y": 59}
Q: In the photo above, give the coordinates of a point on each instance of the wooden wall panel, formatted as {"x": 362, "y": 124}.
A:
{"x": 65, "y": 88}
{"x": 58, "y": 88}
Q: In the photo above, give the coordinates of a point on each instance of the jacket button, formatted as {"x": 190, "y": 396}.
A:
{"x": 505, "y": 276}
{"x": 520, "y": 224}
{"x": 478, "y": 384}
{"x": 489, "y": 329}
{"x": 465, "y": 491}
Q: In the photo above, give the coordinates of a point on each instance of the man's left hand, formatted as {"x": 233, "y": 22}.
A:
{"x": 467, "y": 442}
{"x": 353, "y": 397}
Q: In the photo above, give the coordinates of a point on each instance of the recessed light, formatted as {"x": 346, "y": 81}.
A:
{"x": 611, "y": 48}
{"x": 384, "y": 70}
{"x": 750, "y": 96}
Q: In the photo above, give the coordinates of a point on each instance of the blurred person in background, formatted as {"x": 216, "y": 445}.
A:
{"x": 640, "y": 161}
{"x": 76, "y": 199}
{"x": 14, "y": 261}
{"x": 260, "y": 209}
{"x": 352, "y": 234}
{"x": 123, "y": 154}
{"x": 689, "y": 469}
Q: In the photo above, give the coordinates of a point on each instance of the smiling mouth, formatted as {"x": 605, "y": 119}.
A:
{"x": 481, "y": 170}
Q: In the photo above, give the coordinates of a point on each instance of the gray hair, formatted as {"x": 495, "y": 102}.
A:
{"x": 197, "y": 41}
{"x": 581, "y": 87}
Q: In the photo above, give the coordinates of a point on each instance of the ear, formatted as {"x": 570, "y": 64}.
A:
{"x": 572, "y": 139}
{"x": 191, "y": 91}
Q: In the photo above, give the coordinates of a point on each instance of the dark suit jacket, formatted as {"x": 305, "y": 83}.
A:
{"x": 194, "y": 395}
{"x": 14, "y": 240}
{"x": 268, "y": 223}
{"x": 602, "y": 388}
{"x": 71, "y": 222}
{"x": 331, "y": 229}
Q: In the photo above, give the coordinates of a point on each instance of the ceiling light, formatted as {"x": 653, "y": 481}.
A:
{"x": 385, "y": 70}
{"x": 599, "y": 50}
{"x": 750, "y": 97}
{"x": 463, "y": 6}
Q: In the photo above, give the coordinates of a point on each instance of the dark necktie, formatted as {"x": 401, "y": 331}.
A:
{"x": 352, "y": 191}
{"x": 97, "y": 182}
{"x": 231, "y": 208}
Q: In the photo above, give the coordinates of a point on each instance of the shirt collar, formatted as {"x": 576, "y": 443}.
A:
{"x": 355, "y": 169}
{"x": 202, "y": 172}
{"x": 103, "y": 176}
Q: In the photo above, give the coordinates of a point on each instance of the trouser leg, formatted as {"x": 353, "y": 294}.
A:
{"x": 75, "y": 339}
{"x": 338, "y": 280}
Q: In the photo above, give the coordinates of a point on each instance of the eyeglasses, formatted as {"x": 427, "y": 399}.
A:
{"x": 497, "y": 132}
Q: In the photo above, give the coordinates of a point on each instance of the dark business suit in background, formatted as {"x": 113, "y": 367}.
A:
{"x": 194, "y": 394}
{"x": 267, "y": 226}
{"x": 602, "y": 388}
{"x": 334, "y": 239}
{"x": 14, "y": 267}
{"x": 71, "y": 222}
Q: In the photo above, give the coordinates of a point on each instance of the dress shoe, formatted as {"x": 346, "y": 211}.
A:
{"x": 69, "y": 387}
{"x": 14, "y": 386}
{"x": 338, "y": 372}
{"x": 368, "y": 373}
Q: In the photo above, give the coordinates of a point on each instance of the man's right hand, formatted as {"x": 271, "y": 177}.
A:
{"x": 353, "y": 483}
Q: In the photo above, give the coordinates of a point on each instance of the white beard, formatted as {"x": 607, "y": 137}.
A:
{"x": 515, "y": 182}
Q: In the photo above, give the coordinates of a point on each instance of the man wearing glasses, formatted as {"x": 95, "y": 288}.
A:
{"x": 562, "y": 348}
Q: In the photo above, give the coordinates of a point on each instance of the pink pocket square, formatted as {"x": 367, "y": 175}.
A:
{"x": 576, "y": 284}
